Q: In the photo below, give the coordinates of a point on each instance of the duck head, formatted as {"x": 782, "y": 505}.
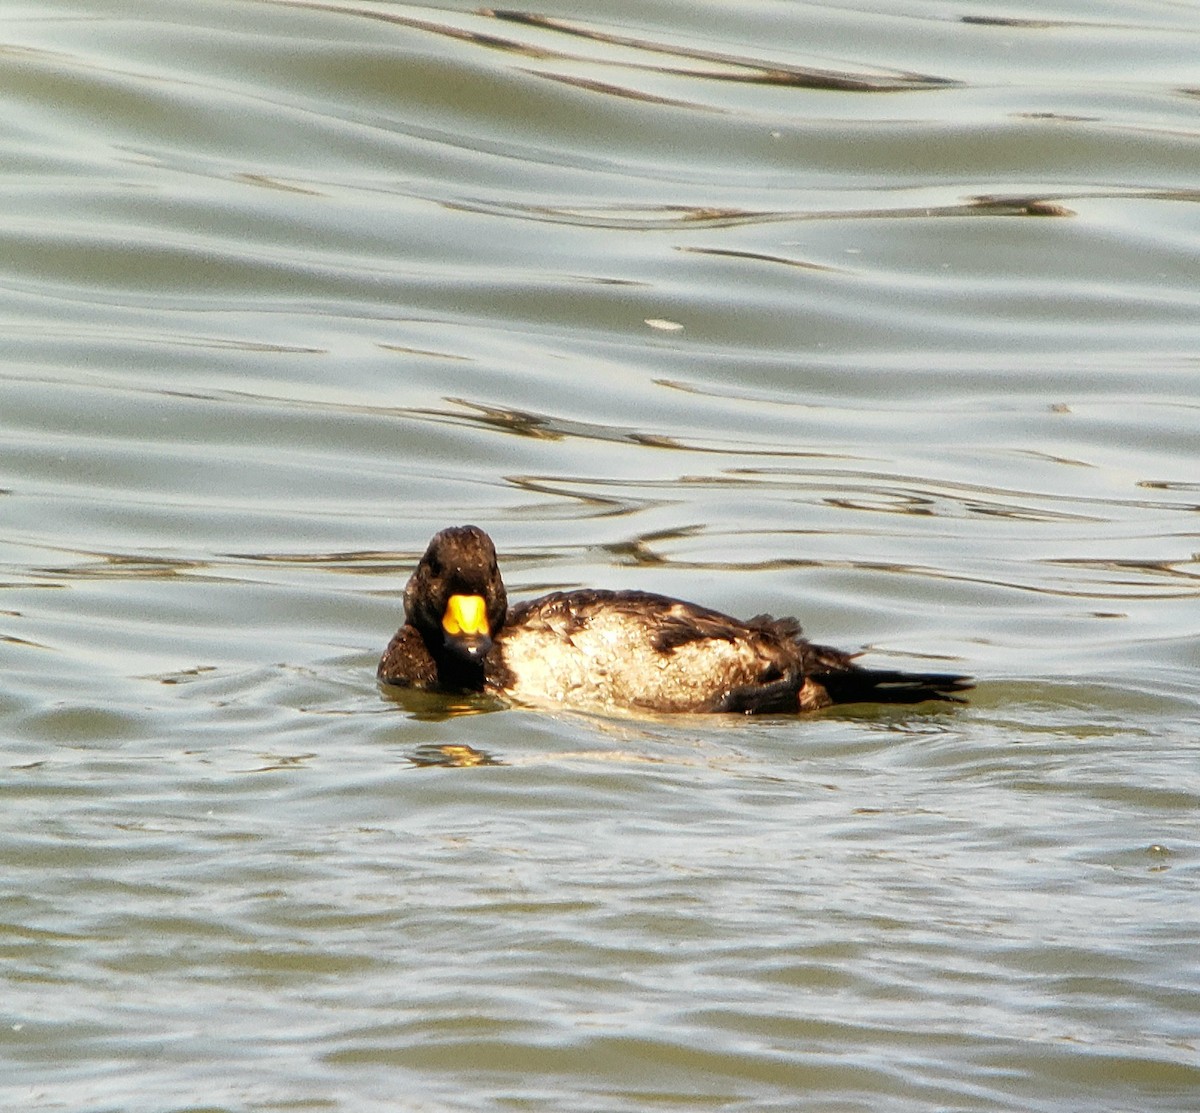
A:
{"x": 456, "y": 599}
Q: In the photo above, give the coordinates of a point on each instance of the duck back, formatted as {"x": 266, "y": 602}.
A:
{"x": 637, "y": 649}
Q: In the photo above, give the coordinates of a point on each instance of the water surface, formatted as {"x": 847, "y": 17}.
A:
{"x": 884, "y": 315}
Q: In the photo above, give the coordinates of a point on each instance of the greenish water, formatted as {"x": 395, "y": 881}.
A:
{"x": 882, "y": 315}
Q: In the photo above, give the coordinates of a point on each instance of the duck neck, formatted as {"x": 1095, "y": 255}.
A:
{"x": 461, "y": 675}
{"x": 455, "y": 672}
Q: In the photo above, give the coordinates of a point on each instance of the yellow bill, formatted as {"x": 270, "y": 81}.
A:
{"x": 465, "y": 614}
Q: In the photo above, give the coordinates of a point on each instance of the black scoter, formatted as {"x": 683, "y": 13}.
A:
{"x": 617, "y": 649}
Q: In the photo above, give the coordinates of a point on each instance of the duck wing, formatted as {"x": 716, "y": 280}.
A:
{"x": 641, "y": 650}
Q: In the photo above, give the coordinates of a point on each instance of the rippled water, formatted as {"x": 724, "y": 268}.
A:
{"x": 885, "y": 315}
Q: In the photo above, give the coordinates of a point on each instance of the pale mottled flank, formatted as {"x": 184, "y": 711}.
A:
{"x": 611, "y": 663}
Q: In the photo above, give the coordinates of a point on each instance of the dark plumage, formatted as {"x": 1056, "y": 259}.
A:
{"x": 617, "y": 649}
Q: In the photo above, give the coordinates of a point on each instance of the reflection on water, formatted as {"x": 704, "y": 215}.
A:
{"x": 458, "y": 757}
{"x": 723, "y": 66}
{"x": 722, "y": 300}
{"x": 632, "y": 54}
{"x": 693, "y": 219}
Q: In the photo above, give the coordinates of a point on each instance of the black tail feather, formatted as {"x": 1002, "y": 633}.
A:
{"x": 859, "y": 685}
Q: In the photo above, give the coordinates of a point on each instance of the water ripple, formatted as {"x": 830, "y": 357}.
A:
{"x": 882, "y": 318}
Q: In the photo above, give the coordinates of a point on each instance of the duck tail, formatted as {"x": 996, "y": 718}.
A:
{"x": 859, "y": 685}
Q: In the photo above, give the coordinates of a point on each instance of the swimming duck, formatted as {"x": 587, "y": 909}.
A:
{"x": 617, "y": 649}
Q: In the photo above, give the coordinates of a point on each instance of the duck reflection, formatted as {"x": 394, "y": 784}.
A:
{"x": 451, "y": 756}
